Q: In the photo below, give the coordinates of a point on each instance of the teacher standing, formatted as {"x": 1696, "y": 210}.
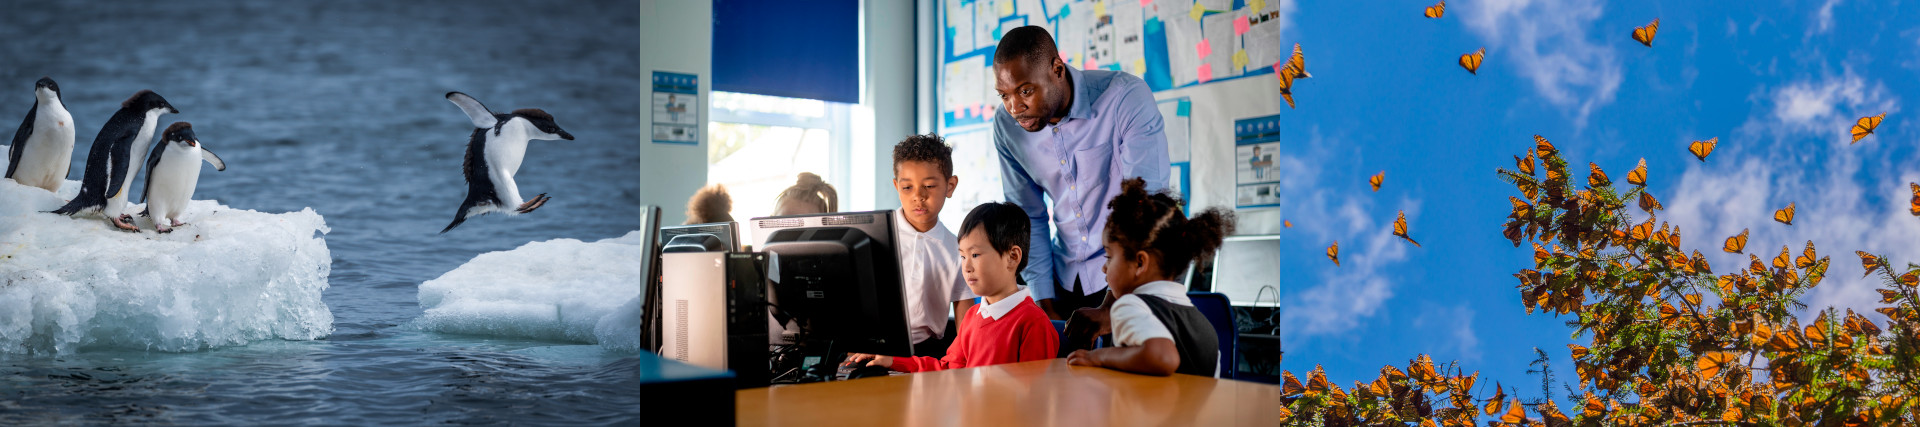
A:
{"x": 1070, "y": 136}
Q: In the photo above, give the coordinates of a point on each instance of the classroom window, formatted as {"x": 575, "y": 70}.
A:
{"x": 759, "y": 143}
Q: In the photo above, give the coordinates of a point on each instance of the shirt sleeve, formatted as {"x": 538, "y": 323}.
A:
{"x": 1022, "y": 191}
{"x": 956, "y": 353}
{"x": 1133, "y": 322}
{"x": 1041, "y": 342}
{"x": 1143, "y": 144}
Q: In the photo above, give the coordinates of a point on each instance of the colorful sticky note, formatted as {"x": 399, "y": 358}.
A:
{"x": 1197, "y": 11}
{"x": 1240, "y": 60}
{"x": 1064, "y": 10}
{"x": 1206, "y": 72}
{"x": 1099, "y": 8}
{"x": 1204, "y": 48}
{"x": 1006, "y": 8}
{"x": 986, "y": 111}
{"x": 1240, "y": 26}
{"x": 1140, "y": 66}
{"x": 1185, "y": 109}
{"x": 1257, "y": 5}
{"x": 1077, "y": 60}
{"x": 1093, "y": 64}
{"x": 963, "y": 112}
{"x": 1144, "y": 3}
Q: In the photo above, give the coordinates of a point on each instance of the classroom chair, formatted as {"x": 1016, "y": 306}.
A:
{"x": 1220, "y": 314}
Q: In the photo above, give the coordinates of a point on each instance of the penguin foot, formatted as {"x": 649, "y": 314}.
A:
{"x": 162, "y": 230}
{"x": 177, "y": 223}
{"x": 124, "y": 223}
{"x": 536, "y": 203}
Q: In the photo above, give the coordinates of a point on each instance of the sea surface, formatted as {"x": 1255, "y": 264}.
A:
{"x": 338, "y": 106}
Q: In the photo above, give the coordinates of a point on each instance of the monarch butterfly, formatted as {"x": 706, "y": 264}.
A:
{"x": 1400, "y": 229}
{"x": 1294, "y": 68}
{"x": 1866, "y": 125}
{"x": 1807, "y": 258}
{"x": 1526, "y": 164}
{"x": 1375, "y": 180}
{"x": 1287, "y": 223}
{"x": 1471, "y": 61}
{"x": 1644, "y": 35}
{"x": 1499, "y": 399}
{"x": 1648, "y": 203}
{"x": 1914, "y": 205}
{"x": 1786, "y": 256}
{"x": 1639, "y": 174}
{"x": 1709, "y": 364}
{"x": 1736, "y": 244}
{"x": 1702, "y": 148}
{"x": 1333, "y": 253}
{"x": 1515, "y": 415}
{"x": 1541, "y": 145}
{"x": 1784, "y": 215}
{"x": 1599, "y": 177}
{"x": 1437, "y": 10}
{"x": 1868, "y": 261}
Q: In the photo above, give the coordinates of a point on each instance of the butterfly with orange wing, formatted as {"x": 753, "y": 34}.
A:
{"x": 1702, "y": 148}
{"x": 1437, "y": 10}
{"x": 1294, "y": 68}
{"x": 1736, "y": 244}
{"x": 1400, "y": 229}
{"x": 1639, "y": 174}
{"x": 1333, "y": 253}
{"x": 1471, "y": 61}
{"x": 1914, "y": 205}
{"x": 1375, "y": 180}
{"x": 1866, "y": 125}
{"x": 1784, "y": 215}
{"x": 1644, "y": 35}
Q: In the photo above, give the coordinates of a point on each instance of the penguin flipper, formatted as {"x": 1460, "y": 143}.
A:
{"x": 218, "y": 165}
{"x": 481, "y": 116}
{"x": 153, "y": 160}
{"x": 20, "y": 137}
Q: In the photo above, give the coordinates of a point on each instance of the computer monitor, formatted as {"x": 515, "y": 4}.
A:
{"x": 838, "y": 277}
{"x": 1247, "y": 270}
{"x": 649, "y": 278}
{"x": 726, "y": 234}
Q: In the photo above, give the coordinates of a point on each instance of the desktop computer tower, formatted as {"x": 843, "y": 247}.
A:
{"x": 747, "y": 351}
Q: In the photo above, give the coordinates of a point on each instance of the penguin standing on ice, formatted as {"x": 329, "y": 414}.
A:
{"x": 172, "y": 172}
{"x": 494, "y": 152}
{"x": 116, "y": 157}
{"x": 42, "y": 149}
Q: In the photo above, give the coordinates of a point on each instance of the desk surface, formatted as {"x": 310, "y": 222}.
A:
{"x": 1039, "y": 393}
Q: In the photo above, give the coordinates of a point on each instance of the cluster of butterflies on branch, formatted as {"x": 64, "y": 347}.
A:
{"x": 1295, "y": 67}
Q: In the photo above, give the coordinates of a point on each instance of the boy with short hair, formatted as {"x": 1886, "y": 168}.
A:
{"x": 923, "y": 174}
{"x": 1009, "y": 327}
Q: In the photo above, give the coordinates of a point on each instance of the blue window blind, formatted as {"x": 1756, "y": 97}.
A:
{"x": 797, "y": 49}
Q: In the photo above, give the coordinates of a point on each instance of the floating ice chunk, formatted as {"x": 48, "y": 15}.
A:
{"x": 230, "y": 277}
{"x": 620, "y": 330}
{"x": 553, "y": 290}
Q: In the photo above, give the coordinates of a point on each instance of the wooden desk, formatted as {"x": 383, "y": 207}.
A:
{"x": 1039, "y": 393}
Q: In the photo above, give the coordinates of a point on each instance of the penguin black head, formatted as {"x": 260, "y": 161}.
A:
{"x": 47, "y": 82}
{"x": 542, "y": 121}
{"x": 181, "y": 132}
{"x": 146, "y": 100}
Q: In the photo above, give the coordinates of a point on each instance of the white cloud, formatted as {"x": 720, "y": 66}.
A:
{"x": 1452, "y": 327}
{"x": 1823, "y": 20}
{"x": 1344, "y": 296}
{"x": 1848, "y": 196}
{"x": 1548, "y": 40}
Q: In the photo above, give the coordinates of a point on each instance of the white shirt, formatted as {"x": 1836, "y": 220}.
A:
{"x": 930, "y": 274}
{"x": 996, "y": 310}
{"x": 1133, "y": 322}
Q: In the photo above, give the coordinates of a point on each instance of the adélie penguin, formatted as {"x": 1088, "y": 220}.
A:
{"x": 172, "y": 172}
{"x": 494, "y": 151}
{"x": 116, "y": 157}
{"x": 42, "y": 149}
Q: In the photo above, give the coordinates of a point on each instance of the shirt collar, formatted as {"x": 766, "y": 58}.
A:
{"x": 1166, "y": 290}
{"x": 996, "y": 310}
{"x": 1082, "y": 101}
{"x": 905, "y": 229}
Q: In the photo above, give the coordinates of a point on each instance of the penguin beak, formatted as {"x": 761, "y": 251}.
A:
{"x": 193, "y": 143}
{"x": 564, "y": 135}
{"x": 172, "y": 110}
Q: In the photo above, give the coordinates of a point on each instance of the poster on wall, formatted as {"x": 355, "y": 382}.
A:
{"x": 1176, "y": 116}
{"x": 1256, "y": 143}
{"x": 676, "y": 108}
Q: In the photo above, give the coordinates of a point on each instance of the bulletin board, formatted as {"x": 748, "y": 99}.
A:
{"x": 1209, "y": 63}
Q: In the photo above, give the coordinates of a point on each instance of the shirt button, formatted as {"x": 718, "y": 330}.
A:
{"x": 1063, "y": 162}
{"x": 1083, "y": 238}
{"x": 1073, "y": 187}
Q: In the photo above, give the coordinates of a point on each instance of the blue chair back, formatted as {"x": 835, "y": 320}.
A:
{"x": 1220, "y": 313}
{"x": 1060, "y": 327}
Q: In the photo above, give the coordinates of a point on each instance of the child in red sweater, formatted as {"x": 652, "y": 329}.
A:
{"x": 1009, "y": 327}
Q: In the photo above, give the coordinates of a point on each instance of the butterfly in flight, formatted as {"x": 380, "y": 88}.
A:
{"x": 1400, "y": 229}
{"x": 1784, "y": 215}
{"x": 1471, "y": 61}
{"x": 1736, "y": 244}
{"x": 1644, "y": 35}
{"x": 1703, "y": 148}
{"x": 1287, "y": 223}
{"x": 1333, "y": 253}
{"x": 1866, "y": 126}
{"x": 1375, "y": 180}
{"x": 1437, "y": 10}
{"x": 1639, "y": 174}
{"x": 1915, "y": 203}
{"x": 1294, "y": 68}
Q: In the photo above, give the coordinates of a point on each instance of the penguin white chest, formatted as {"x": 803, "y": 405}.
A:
{"x": 47, "y": 155}
{"x": 174, "y": 179}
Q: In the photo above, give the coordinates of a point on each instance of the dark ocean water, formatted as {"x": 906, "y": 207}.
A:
{"x": 338, "y": 106}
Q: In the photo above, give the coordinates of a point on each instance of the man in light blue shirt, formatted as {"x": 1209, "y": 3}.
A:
{"x": 1068, "y": 137}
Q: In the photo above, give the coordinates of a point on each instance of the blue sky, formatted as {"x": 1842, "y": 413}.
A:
{"x": 1778, "y": 82}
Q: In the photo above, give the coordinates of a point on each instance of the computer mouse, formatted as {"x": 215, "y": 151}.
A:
{"x": 868, "y": 371}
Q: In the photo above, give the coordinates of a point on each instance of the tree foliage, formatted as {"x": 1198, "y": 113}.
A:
{"x": 1668, "y": 341}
